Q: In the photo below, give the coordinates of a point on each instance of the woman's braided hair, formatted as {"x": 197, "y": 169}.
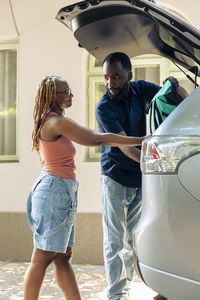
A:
{"x": 44, "y": 102}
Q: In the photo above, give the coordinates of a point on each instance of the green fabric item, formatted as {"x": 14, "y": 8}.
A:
{"x": 163, "y": 103}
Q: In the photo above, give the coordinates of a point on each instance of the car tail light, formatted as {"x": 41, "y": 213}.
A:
{"x": 163, "y": 154}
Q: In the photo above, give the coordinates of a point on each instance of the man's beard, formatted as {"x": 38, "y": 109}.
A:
{"x": 122, "y": 92}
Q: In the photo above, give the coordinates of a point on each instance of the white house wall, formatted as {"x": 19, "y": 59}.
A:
{"x": 7, "y": 27}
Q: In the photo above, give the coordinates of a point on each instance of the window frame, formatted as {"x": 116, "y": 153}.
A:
{"x": 92, "y": 153}
{"x": 13, "y": 158}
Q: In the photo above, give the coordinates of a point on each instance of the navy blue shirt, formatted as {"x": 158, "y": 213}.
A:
{"x": 119, "y": 115}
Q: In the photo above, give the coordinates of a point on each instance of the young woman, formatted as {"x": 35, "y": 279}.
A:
{"x": 52, "y": 202}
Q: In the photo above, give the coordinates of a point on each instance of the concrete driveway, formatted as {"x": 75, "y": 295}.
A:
{"x": 91, "y": 281}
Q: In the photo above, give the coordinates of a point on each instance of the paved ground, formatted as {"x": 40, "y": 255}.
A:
{"x": 91, "y": 281}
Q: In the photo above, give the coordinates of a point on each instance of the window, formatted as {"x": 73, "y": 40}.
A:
{"x": 8, "y": 102}
{"x": 151, "y": 68}
{"x": 96, "y": 90}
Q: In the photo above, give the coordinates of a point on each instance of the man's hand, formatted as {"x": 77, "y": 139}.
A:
{"x": 131, "y": 152}
{"x": 180, "y": 90}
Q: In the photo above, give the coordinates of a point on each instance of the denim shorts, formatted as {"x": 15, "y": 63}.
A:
{"x": 51, "y": 210}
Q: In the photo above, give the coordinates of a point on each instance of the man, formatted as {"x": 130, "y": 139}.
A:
{"x": 121, "y": 110}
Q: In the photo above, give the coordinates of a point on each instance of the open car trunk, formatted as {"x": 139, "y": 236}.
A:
{"x": 132, "y": 26}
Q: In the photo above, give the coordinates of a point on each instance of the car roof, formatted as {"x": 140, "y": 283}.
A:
{"x": 132, "y": 26}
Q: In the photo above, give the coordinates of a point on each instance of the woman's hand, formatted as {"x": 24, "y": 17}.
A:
{"x": 145, "y": 137}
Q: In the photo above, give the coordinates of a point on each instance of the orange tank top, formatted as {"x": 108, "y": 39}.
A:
{"x": 57, "y": 157}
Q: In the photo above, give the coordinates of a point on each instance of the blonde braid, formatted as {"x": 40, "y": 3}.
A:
{"x": 44, "y": 102}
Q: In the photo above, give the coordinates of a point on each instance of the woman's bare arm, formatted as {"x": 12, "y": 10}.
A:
{"x": 86, "y": 136}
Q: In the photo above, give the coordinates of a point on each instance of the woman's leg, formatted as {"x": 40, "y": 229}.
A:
{"x": 35, "y": 273}
{"x": 65, "y": 277}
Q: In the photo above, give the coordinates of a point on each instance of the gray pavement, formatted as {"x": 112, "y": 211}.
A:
{"x": 91, "y": 282}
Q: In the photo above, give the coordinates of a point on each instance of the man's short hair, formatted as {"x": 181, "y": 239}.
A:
{"x": 119, "y": 56}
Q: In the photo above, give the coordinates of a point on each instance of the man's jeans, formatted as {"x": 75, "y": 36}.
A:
{"x": 121, "y": 209}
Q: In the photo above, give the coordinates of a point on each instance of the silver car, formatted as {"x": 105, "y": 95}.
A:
{"x": 167, "y": 236}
